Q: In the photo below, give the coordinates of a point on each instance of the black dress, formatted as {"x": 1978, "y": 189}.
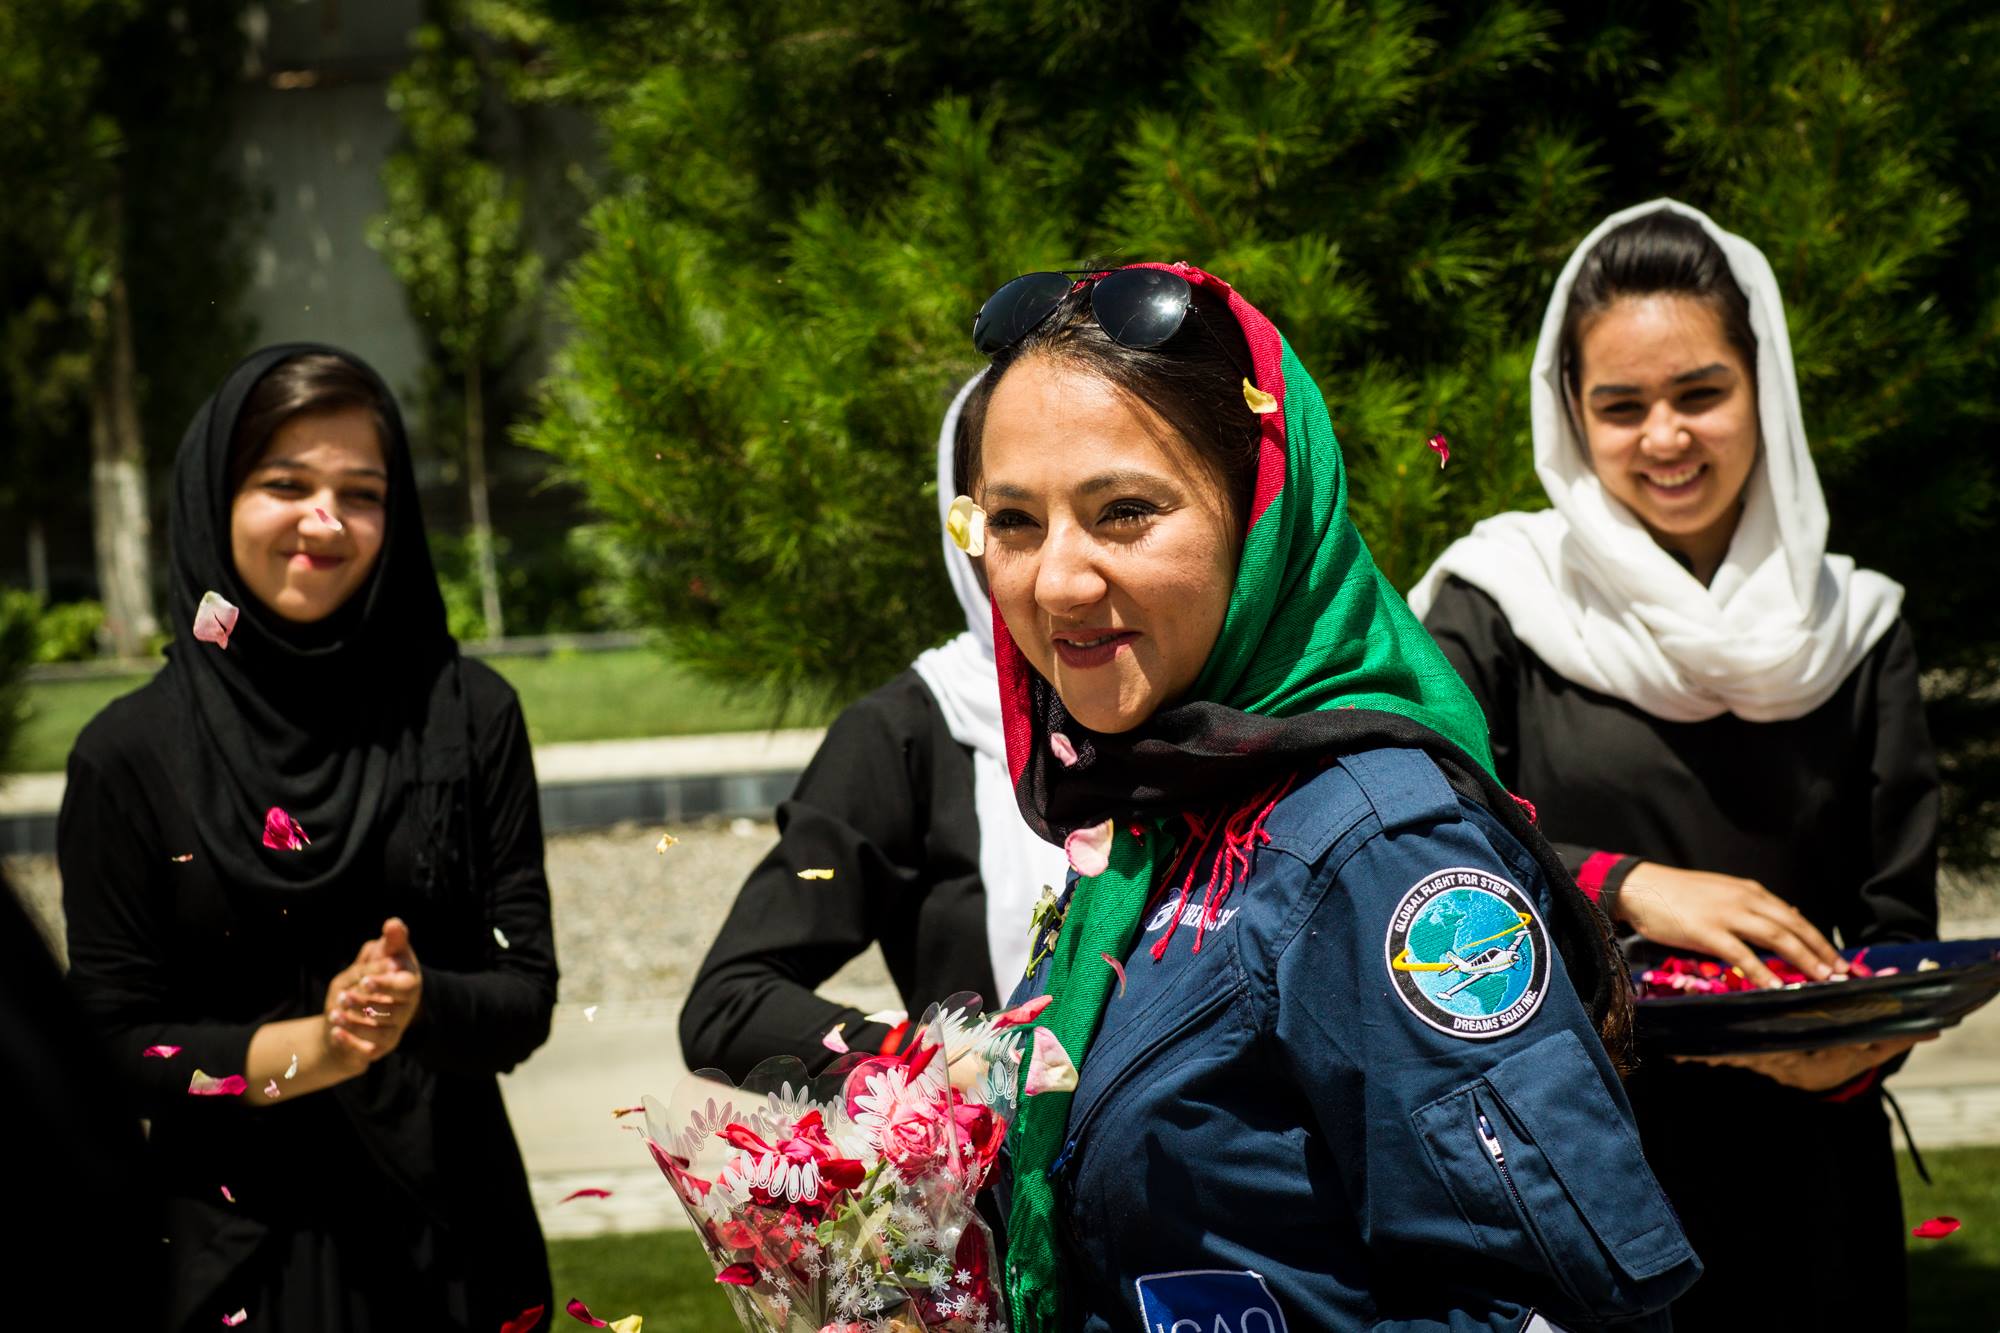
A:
{"x": 1790, "y": 1197}
{"x": 397, "y": 1199}
{"x": 887, "y": 805}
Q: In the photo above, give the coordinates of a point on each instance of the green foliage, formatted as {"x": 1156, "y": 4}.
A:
{"x": 68, "y": 631}
{"x": 565, "y": 588}
{"x": 808, "y": 202}
{"x": 17, "y": 648}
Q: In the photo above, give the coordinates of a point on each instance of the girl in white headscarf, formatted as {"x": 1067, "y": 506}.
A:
{"x": 909, "y": 804}
{"x": 1720, "y": 725}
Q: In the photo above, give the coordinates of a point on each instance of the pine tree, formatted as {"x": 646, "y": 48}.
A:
{"x": 808, "y": 202}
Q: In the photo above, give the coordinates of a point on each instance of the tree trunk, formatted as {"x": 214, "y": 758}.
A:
{"x": 482, "y": 519}
{"x": 38, "y": 559}
{"x": 123, "y": 528}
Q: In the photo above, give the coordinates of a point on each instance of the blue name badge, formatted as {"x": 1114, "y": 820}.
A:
{"x": 1208, "y": 1300}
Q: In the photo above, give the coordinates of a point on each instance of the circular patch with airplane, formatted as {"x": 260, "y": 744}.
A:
{"x": 1468, "y": 953}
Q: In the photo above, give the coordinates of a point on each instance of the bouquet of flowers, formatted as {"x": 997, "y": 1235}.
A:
{"x": 845, "y": 1203}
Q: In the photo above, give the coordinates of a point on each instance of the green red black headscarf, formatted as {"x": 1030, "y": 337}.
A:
{"x": 1318, "y": 656}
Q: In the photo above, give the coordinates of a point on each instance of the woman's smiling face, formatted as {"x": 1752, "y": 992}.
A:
{"x": 1110, "y": 551}
{"x": 1669, "y": 412}
{"x": 307, "y": 524}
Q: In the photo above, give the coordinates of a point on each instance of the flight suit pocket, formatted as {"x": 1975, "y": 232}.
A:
{"x": 1548, "y": 1173}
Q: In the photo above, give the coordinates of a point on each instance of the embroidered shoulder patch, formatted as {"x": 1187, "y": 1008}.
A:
{"x": 1206, "y": 1300}
{"x": 1468, "y": 953}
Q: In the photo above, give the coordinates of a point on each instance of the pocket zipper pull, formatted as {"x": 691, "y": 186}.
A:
{"x": 1491, "y": 1140}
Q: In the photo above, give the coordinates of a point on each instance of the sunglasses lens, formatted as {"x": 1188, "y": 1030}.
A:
{"x": 1011, "y": 313}
{"x": 1141, "y": 307}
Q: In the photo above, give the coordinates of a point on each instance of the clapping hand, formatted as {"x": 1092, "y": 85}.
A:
{"x": 371, "y": 1002}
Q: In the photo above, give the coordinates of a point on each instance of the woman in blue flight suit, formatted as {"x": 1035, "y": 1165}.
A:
{"x": 1338, "y": 1015}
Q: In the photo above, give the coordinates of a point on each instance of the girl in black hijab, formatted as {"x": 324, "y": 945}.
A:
{"x": 308, "y": 856}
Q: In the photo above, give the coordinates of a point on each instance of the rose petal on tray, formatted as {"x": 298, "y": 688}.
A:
{"x": 588, "y": 1192}
{"x": 207, "y": 1085}
{"x": 281, "y": 832}
{"x": 526, "y": 1321}
{"x": 161, "y": 1052}
{"x": 1090, "y": 849}
{"x": 215, "y": 619}
{"x": 1935, "y": 1229}
{"x": 1050, "y": 1069}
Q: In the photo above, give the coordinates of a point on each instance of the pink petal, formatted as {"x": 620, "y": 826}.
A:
{"x": 1025, "y": 1012}
{"x": 526, "y": 1321}
{"x": 889, "y": 1017}
{"x": 833, "y": 1041}
{"x": 215, "y": 619}
{"x": 1935, "y": 1228}
{"x": 328, "y": 519}
{"x": 182, "y": 859}
{"x": 227, "y": 1195}
{"x": 232, "y": 1320}
{"x": 738, "y": 1275}
{"x": 281, "y": 832}
{"x": 1442, "y": 448}
{"x": 1117, "y": 967}
{"x": 161, "y": 1052}
{"x": 1049, "y": 1068}
{"x": 590, "y": 1192}
{"x": 578, "y": 1310}
{"x": 620, "y": 1112}
{"x": 271, "y": 1089}
{"x": 207, "y": 1085}
{"x": 1064, "y": 751}
{"x": 1090, "y": 849}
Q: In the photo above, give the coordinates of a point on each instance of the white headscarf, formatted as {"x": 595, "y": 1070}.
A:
{"x": 1585, "y": 586}
{"x": 1014, "y": 863}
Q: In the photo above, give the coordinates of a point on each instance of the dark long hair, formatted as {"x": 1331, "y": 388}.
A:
{"x": 313, "y": 382}
{"x": 1662, "y": 253}
{"x": 1192, "y": 382}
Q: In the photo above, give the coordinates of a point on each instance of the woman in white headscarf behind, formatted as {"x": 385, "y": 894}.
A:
{"x": 909, "y": 804}
{"x": 1720, "y": 725}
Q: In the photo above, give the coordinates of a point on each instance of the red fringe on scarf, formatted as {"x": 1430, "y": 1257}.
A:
{"x": 1234, "y": 838}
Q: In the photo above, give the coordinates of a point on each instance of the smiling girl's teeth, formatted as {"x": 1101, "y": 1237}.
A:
{"x": 1091, "y": 643}
{"x": 1670, "y": 480}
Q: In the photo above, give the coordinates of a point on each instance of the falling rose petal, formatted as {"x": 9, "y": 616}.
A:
{"x": 293, "y": 1067}
{"x": 631, "y": 1323}
{"x": 1117, "y": 967}
{"x": 161, "y": 1052}
{"x": 232, "y": 1320}
{"x": 666, "y": 840}
{"x": 227, "y": 1195}
{"x": 272, "y": 1090}
{"x": 500, "y": 937}
{"x": 889, "y": 1016}
{"x": 215, "y": 619}
{"x": 589, "y": 1192}
{"x": 525, "y": 1322}
{"x": 833, "y": 1041}
{"x": 620, "y": 1112}
{"x": 1442, "y": 448}
{"x": 738, "y": 1275}
{"x": 816, "y": 873}
{"x": 182, "y": 859}
{"x": 1059, "y": 744}
{"x": 590, "y": 1013}
{"x": 1090, "y": 849}
{"x": 1263, "y": 404}
{"x": 1049, "y": 1068}
{"x": 965, "y": 521}
{"x": 281, "y": 832}
{"x": 581, "y": 1312}
{"x": 1025, "y": 1012}
{"x": 207, "y": 1085}
{"x": 1935, "y": 1229}
{"x": 329, "y": 520}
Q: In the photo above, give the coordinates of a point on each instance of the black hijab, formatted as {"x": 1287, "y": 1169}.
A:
{"x": 336, "y": 722}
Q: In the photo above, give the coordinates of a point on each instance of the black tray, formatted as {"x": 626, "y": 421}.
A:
{"x": 1830, "y": 1013}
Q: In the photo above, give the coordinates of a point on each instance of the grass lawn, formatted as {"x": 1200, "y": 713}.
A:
{"x": 1954, "y": 1282}
{"x": 567, "y": 697}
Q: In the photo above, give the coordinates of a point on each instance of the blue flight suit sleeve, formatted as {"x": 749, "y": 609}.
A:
{"x": 1480, "y": 1132}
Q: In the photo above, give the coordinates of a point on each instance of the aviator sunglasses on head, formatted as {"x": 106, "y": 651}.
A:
{"x": 1136, "y": 307}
